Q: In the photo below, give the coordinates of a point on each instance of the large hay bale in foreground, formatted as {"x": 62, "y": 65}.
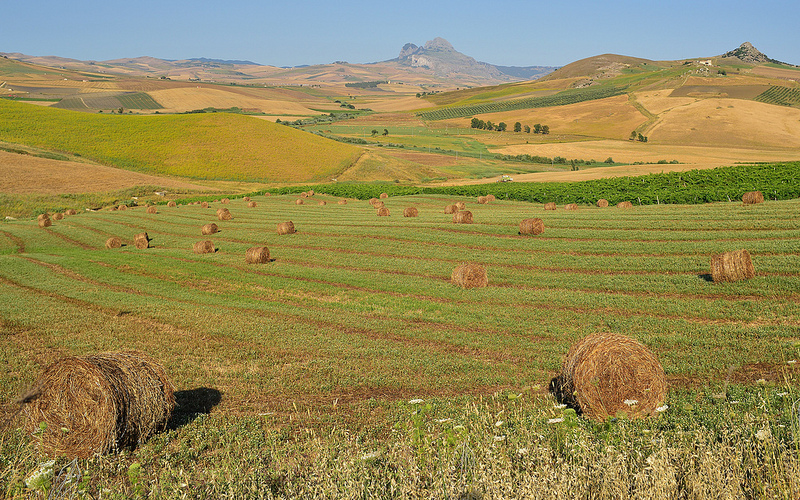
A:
{"x": 209, "y": 229}
{"x": 410, "y": 212}
{"x": 550, "y": 206}
{"x": 570, "y": 206}
{"x": 531, "y": 226}
{"x": 106, "y": 402}
{"x": 71, "y": 211}
{"x": 383, "y": 212}
{"x": 257, "y": 255}
{"x": 732, "y": 266}
{"x": 152, "y": 210}
{"x": 606, "y": 374}
{"x": 602, "y": 203}
{"x": 141, "y": 241}
{"x": 113, "y": 242}
{"x": 468, "y": 275}
{"x": 464, "y": 217}
{"x": 45, "y": 222}
{"x": 624, "y": 204}
{"x": 206, "y": 246}
{"x": 753, "y": 197}
{"x": 451, "y": 209}
{"x": 286, "y": 227}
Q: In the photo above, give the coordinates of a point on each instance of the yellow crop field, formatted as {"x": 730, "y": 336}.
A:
{"x": 178, "y": 100}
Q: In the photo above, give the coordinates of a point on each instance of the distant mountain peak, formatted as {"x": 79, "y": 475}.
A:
{"x": 439, "y": 44}
{"x": 747, "y": 53}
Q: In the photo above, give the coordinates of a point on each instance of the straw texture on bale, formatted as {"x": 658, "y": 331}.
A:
{"x": 303, "y": 195}
{"x": 311, "y": 192}
{"x": 468, "y": 275}
{"x": 58, "y": 216}
{"x": 624, "y": 204}
{"x": 531, "y": 226}
{"x": 384, "y": 196}
{"x": 410, "y": 212}
{"x": 172, "y": 204}
{"x": 246, "y": 198}
{"x": 46, "y": 222}
{"x": 342, "y": 202}
{"x": 483, "y": 200}
{"x": 450, "y": 209}
{"x": 464, "y": 217}
{"x": 286, "y": 227}
{"x": 224, "y": 200}
{"x": 252, "y": 204}
{"x": 322, "y": 203}
{"x": 257, "y": 255}
{"x": 732, "y": 266}
{"x": 206, "y": 246}
{"x": 383, "y": 212}
{"x": 372, "y": 201}
{"x": 113, "y": 242}
{"x": 491, "y": 197}
{"x": 152, "y": 210}
{"x": 602, "y": 203}
{"x": 570, "y": 206}
{"x": 142, "y": 241}
{"x": 42, "y": 216}
{"x": 378, "y": 204}
{"x": 209, "y": 229}
{"x": 106, "y": 401}
{"x": 461, "y": 205}
{"x": 606, "y": 374}
{"x": 753, "y": 197}
{"x": 204, "y": 204}
{"x": 299, "y": 201}
{"x": 550, "y": 206}
{"x": 71, "y": 211}
{"x": 224, "y": 214}
{"x": 123, "y": 207}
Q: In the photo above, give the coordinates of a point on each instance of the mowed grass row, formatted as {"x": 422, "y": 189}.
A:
{"x": 362, "y": 305}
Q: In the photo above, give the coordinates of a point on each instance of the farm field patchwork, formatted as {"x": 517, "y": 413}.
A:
{"x": 320, "y": 351}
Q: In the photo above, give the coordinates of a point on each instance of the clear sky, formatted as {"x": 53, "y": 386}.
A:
{"x": 291, "y": 32}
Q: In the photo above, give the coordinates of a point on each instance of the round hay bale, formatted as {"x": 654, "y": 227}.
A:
{"x": 303, "y": 195}
{"x": 550, "y": 206}
{"x": 342, "y": 202}
{"x": 490, "y": 197}
{"x": 464, "y": 217}
{"x": 383, "y": 212}
{"x": 141, "y": 241}
{"x": 311, "y": 192}
{"x": 246, "y": 198}
{"x": 172, "y": 204}
{"x": 531, "y": 226}
{"x": 112, "y": 209}
{"x": 71, "y": 211}
{"x": 152, "y": 210}
{"x": 322, "y": 203}
{"x": 224, "y": 214}
{"x": 252, "y": 204}
{"x": 468, "y": 275}
{"x": 224, "y": 201}
{"x": 732, "y": 266}
{"x": 113, "y": 242}
{"x": 206, "y": 246}
{"x": 450, "y": 209}
{"x": 606, "y": 374}
{"x": 257, "y": 255}
{"x": 299, "y": 201}
{"x": 58, "y": 216}
{"x": 209, "y": 229}
{"x": 461, "y": 205}
{"x": 483, "y": 200}
{"x": 372, "y": 201}
{"x": 106, "y": 401}
{"x": 571, "y": 206}
{"x": 602, "y": 203}
{"x": 384, "y": 196}
{"x": 204, "y": 204}
{"x": 45, "y": 222}
{"x": 286, "y": 228}
{"x": 624, "y": 204}
{"x": 122, "y": 207}
{"x": 42, "y": 216}
{"x": 378, "y": 205}
{"x": 267, "y": 194}
{"x": 410, "y": 212}
{"x": 753, "y": 197}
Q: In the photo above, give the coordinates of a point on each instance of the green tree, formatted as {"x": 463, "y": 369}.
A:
{"x": 527, "y": 129}
{"x": 502, "y": 126}
{"x": 633, "y": 136}
{"x": 477, "y": 123}
{"x": 609, "y": 160}
{"x": 374, "y": 132}
{"x": 537, "y": 128}
{"x": 489, "y": 125}
{"x": 385, "y": 132}
{"x": 545, "y": 129}
{"x": 517, "y": 127}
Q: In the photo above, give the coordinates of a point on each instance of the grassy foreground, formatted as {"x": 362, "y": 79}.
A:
{"x": 302, "y": 377}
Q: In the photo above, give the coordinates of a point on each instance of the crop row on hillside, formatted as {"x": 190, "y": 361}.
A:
{"x": 776, "y": 181}
{"x": 782, "y": 96}
{"x": 571, "y": 96}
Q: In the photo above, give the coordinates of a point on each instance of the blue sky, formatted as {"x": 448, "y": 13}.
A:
{"x": 286, "y": 33}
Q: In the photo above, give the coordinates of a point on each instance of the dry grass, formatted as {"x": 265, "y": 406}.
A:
{"x": 732, "y": 266}
{"x": 179, "y": 100}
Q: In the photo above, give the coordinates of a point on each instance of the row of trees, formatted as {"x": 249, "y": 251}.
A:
{"x": 501, "y": 127}
{"x": 637, "y": 137}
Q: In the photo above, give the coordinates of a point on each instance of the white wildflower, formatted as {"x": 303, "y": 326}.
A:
{"x": 416, "y": 401}
{"x": 792, "y": 361}
{"x": 782, "y": 394}
{"x": 559, "y": 407}
{"x": 631, "y": 402}
{"x": 522, "y": 451}
{"x": 763, "y": 434}
{"x": 371, "y": 455}
{"x": 662, "y": 408}
{"x": 442, "y": 420}
{"x": 555, "y": 420}
{"x": 761, "y": 381}
{"x": 499, "y": 438}
{"x": 458, "y": 427}
{"x": 499, "y": 423}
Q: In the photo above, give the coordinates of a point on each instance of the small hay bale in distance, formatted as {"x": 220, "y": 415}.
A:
{"x": 322, "y": 203}
{"x": 122, "y": 207}
{"x": 310, "y": 193}
{"x": 491, "y": 197}
{"x": 152, "y": 210}
{"x": 624, "y": 204}
{"x": 224, "y": 200}
{"x": 257, "y": 255}
{"x": 384, "y": 196}
{"x": 602, "y": 203}
{"x": 571, "y": 206}
{"x": 303, "y": 195}
{"x": 106, "y": 401}
{"x": 467, "y": 275}
{"x": 342, "y": 202}
{"x": 373, "y": 201}
{"x": 532, "y": 226}
{"x": 451, "y": 209}
{"x": 113, "y": 242}
{"x": 732, "y": 266}
{"x": 605, "y": 374}
{"x": 463, "y": 217}
{"x": 483, "y": 200}
{"x": 71, "y": 211}
{"x": 172, "y": 204}
{"x": 206, "y": 246}
{"x": 252, "y": 204}
{"x": 209, "y": 229}
{"x": 299, "y": 201}
{"x": 204, "y": 204}
{"x": 141, "y": 241}
{"x": 286, "y": 227}
{"x": 410, "y": 212}
{"x": 383, "y": 212}
{"x": 246, "y": 198}
{"x": 550, "y": 206}
{"x": 753, "y": 197}
{"x": 46, "y": 222}
{"x": 378, "y": 205}
{"x": 224, "y": 214}
{"x": 58, "y": 216}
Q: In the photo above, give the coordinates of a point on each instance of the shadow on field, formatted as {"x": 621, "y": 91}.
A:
{"x": 192, "y": 403}
{"x": 706, "y": 277}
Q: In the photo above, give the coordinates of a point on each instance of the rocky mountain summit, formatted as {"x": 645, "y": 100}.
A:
{"x": 749, "y": 54}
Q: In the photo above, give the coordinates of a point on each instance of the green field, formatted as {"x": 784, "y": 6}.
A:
{"x": 315, "y": 356}
{"x": 109, "y": 101}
